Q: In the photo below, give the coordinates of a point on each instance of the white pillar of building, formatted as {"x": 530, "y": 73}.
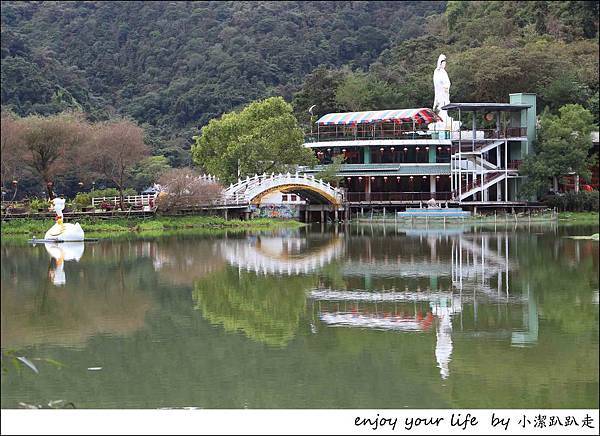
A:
{"x": 432, "y": 184}
{"x": 498, "y": 191}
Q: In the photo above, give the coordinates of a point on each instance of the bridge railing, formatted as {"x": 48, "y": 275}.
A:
{"x": 229, "y": 199}
{"x": 246, "y": 187}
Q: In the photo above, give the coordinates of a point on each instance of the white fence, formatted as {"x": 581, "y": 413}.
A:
{"x": 136, "y": 200}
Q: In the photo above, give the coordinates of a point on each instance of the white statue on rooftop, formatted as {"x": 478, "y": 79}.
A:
{"x": 441, "y": 85}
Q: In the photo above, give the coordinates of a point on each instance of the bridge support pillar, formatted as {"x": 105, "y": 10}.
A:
{"x": 225, "y": 214}
{"x": 335, "y": 215}
{"x": 322, "y": 214}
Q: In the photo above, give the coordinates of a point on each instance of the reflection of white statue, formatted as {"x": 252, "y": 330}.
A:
{"x": 441, "y": 85}
{"x": 61, "y": 231}
{"x": 62, "y": 253}
{"x": 443, "y": 309}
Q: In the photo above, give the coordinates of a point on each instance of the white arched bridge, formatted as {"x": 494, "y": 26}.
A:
{"x": 252, "y": 189}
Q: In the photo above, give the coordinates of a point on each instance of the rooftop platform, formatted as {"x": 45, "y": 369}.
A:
{"x": 417, "y": 116}
{"x": 491, "y": 107}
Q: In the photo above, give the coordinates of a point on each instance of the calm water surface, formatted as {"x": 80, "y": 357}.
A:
{"x": 336, "y": 317}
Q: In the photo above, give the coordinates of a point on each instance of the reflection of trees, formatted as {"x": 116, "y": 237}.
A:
{"x": 183, "y": 264}
{"x": 266, "y": 308}
{"x": 564, "y": 274}
{"x": 102, "y": 296}
{"x": 557, "y": 373}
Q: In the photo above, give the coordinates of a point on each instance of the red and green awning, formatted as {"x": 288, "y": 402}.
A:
{"x": 419, "y": 116}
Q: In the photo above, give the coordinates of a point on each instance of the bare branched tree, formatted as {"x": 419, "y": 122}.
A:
{"x": 184, "y": 187}
{"x": 11, "y": 148}
{"x": 53, "y": 144}
{"x": 115, "y": 149}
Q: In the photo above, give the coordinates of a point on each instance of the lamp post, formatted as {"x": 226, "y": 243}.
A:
{"x": 15, "y": 184}
{"x": 49, "y": 189}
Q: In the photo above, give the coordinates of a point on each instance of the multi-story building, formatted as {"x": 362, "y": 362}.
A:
{"x": 398, "y": 157}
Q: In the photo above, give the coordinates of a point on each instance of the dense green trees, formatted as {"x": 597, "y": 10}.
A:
{"x": 177, "y": 65}
{"x": 174, "y": 66}
{"x": 493, "y": 49}
{"x": 262, "y": 138}
{"x": 562, "y": 148}
{"x": 148, "y": 171}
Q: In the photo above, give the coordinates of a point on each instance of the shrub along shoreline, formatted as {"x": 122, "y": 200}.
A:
{"x": 158, "y": 226}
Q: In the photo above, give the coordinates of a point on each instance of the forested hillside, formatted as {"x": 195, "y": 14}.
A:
{"x": 492, "y": 48}
{"x": 173, "y": 66}
{"x": 176, "y": 65}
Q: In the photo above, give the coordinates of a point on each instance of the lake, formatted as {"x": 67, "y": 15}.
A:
{"x": 367, "y": 316}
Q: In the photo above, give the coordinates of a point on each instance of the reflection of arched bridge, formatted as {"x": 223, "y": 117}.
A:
{"x": 279, "y": 255}
{"x": 252, "y": 189}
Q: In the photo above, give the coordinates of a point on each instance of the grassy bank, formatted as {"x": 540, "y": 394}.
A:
{"x": 584, "y": 218}
{"x": 158, "y": 226}
{"x": 579, "y": 217}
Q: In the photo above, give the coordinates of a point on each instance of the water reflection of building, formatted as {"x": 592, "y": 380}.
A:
{"x": 396, "y": 311}
{"x": 471, "y": 268}
{"x": 281, "y": 255}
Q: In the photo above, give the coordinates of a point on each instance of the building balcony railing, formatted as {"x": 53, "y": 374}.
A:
{"x": 509, "y": 132}
{"x": 514, "y": 164}
{"x": 397, "y": 196}
{"x": 403, "y": 167}
{"x": 362, "y": 135}
{"x": 466, "y": 134}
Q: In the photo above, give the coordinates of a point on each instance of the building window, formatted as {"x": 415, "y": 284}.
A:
{"x": 293, "y": 197}
{"x": 284, "y": 197}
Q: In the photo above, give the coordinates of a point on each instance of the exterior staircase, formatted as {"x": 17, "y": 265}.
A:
{"x": 471, "y": 188}
{"x": 472, "y": 162}
{"x": 481, "y": 147}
